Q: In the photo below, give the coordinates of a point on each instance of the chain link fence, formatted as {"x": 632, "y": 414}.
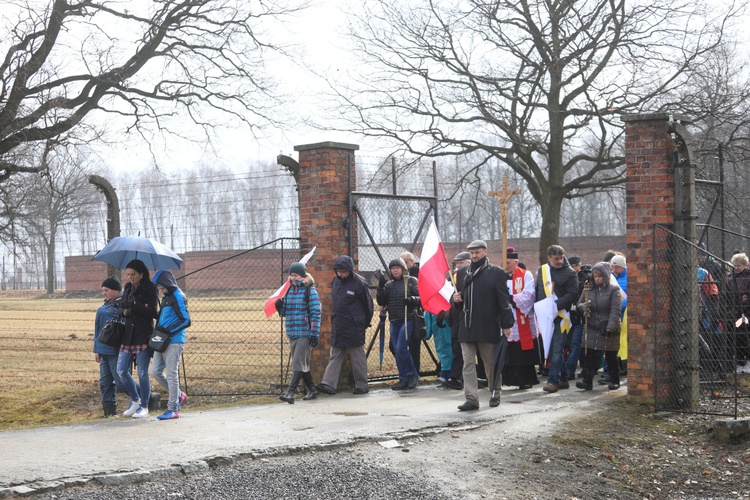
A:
{"x": 700, "y": 348}
{"x": 232, "y": 348}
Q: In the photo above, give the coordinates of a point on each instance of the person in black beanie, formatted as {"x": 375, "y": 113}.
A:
{"x": 106, "y": 356}
{"x": 301, "y": 308}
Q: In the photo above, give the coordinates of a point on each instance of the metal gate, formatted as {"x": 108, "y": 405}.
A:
{"x": 708, "y": 353}
{"x": 387, "y": 226}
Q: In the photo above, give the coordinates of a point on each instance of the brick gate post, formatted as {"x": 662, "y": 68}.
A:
{"x": 650, "y": 199}
{"x": 326, "y": 174}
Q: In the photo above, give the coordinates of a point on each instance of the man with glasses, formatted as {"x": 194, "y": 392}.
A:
{"x": 352, "y": 313}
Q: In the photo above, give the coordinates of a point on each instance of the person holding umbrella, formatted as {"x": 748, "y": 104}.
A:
{"x": 139, "y": 308}
{"x": 601, "y": 308}
{"x": 401, "y": 296}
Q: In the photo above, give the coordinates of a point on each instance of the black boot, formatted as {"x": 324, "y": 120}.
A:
{"x": 311, "y": 392}
{"x": 110, "y": 409}
{"x": 623, "y": 368}
{"x": 587, "y": 383}
{"x": 153, "y": 402}
{"x": 288, "y": 396}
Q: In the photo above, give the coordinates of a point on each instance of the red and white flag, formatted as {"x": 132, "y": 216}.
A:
{"x": 270, "y": 306}
{"x": 435, "y": 290}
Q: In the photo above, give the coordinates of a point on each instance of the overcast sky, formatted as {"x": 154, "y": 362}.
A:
{"x": 316, "y": 32}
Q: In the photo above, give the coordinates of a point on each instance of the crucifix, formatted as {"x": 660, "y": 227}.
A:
{"x": 504, "y": 196}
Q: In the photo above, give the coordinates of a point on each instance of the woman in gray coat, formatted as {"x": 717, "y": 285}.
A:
{"x": 602, "y": 333}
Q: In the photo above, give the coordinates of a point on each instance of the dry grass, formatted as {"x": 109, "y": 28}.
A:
{"x": 49, "y": 375}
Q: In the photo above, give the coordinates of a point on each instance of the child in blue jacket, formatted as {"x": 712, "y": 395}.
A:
{"x": 173, "y": 320}
{"x": 301, "y": 308}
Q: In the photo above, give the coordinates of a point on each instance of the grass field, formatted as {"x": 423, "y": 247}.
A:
{"x": 48, "y": 374}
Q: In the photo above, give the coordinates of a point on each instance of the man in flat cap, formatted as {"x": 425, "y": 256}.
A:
{"x": 484, "y": 311}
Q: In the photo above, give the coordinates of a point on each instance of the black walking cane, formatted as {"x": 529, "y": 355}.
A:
{"x": 586, "y": 288}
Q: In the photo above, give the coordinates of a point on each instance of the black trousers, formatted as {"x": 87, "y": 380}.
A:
{"x": 591, "y": 365}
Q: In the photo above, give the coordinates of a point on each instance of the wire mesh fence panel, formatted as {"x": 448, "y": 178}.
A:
{"x": 232, "y": 347}
{"x": 47, "y": 341}
{"x": 700, "y": 348}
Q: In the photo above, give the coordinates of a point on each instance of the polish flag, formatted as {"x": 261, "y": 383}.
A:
{"x": 435, "y": 290}
{"x": 270, "y": 306}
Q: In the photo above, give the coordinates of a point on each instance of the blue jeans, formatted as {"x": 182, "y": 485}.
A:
{"x": 109, "y": 381}
{"x": 575, "y": 351}
{"x": 404, "y": 361}
{"x": 142, "y": 359}
{"x": 557, "y": 372}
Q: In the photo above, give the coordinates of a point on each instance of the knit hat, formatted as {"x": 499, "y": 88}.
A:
{"x": 511, "y": 253}
{"x": 113, "y": 283}
{"x": 477, "y": 244}
{"x": 573, "y": 260}
{"x": 397, "y": 263}
{"x": 619, "y": 260}
{"x": 298, "y": 268}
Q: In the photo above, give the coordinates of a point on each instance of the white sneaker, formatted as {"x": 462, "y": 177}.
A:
{"x": 141, "y": 413}
{"x": 132, "y": 408}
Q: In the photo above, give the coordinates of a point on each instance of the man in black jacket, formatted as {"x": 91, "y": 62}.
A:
{"x": 558, "y": 278}
{"x": 484, "y": 310}
{"x": 352, "y": 313}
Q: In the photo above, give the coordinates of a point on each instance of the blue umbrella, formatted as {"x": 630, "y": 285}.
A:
{"x": 122, "y": 249}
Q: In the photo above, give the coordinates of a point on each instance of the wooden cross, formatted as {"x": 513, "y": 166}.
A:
{"x": 504, "y": 196}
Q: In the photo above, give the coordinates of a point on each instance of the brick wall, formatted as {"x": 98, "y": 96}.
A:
{"x": 326, "y": 174}
{"x": 259, "y": 269}
{"x": 649, "y": 200}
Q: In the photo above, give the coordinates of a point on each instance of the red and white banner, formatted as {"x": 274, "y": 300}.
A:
{"x": 435, "y": 290}
{"x": 270, "y": 306}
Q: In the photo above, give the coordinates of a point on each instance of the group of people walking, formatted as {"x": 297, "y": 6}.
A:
{"x": 492, "y": 333}
{"x": 137, "y": 306}
{"x": 489, "y": 333}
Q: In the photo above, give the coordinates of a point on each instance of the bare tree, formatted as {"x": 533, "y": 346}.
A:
{"x": 142, "y": 63}
{"x": 718, "y": 98}
{"x": 58, "y": 196}
{"x": 548, "y": 78}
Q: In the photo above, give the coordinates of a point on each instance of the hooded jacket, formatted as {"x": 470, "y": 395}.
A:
{"x": 173, "y": 315}
{"x": 604, "y": 312}
{"x": 352, "y": 307}
{"x": 302, "y": 315}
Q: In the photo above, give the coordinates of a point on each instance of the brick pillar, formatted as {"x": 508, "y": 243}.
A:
{"x": 650, "y": 199}
{"x": 326, "y": 175}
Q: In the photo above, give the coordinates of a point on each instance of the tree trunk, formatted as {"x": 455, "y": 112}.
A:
{"x": 550, "y": 233}
{"x": 51, "y": 262}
